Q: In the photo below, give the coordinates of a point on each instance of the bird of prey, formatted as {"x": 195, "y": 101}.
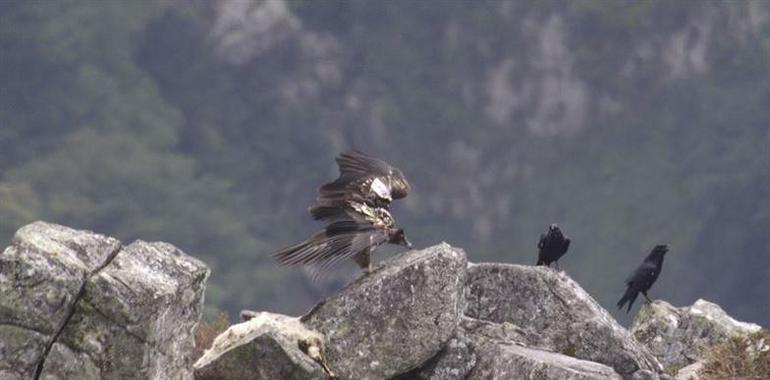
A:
{"x": 552, "y": 246}
{"x": 362, "y": 179}
{"x": 643, "y": 277}
{"x": 354, "y": 232}
{"x": 357, "y": 207}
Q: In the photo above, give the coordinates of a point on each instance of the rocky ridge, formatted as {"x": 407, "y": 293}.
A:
{"x": 431, "y": 315}
{"x": 77, "y": 304}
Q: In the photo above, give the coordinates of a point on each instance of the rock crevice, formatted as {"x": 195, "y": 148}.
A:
{"x": 71, "y": 310}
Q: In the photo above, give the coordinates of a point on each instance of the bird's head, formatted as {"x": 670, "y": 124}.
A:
{"x": 399, "y": 186}
{"x": 658, "y": 252}
{"x": 397, "y": 236}
{"x": 553, "y": 227}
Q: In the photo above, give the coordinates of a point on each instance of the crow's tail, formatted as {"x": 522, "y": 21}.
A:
{"x": 629, "y": 297}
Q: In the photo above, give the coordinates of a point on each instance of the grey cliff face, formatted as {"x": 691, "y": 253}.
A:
{"x": 80, "y": 305}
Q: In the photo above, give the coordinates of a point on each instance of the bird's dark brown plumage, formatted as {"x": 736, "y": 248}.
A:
{"x": 362, "y": 179}
{"x": 356, "y": 206}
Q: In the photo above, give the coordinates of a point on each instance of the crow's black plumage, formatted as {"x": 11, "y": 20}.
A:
{"x": 362, "y": 179}
{"x": 356, "y": 206}
{"x": 643, "y": 277}
{"x": 552, "y": 246}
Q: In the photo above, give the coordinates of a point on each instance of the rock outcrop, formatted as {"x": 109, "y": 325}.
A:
{"x": 510, "y": 361}
{"x": 484, "y": 350}
{"x": 79, "y": 305}
{"x": 379, "y": 326}
{"x": 678, "y": 337}
{"x": 429, "y": 315}
{"x": 266, "y": 347}
{"x": 394, "y": 320}
{"x": 555, "y": 314}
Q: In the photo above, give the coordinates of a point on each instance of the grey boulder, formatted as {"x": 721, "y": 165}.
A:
{"x": 485, "y": 350}
{"x": 266, "y": 347}
{"x": 80, "y": 305}
{"x": 679, "y": 336}
{"x": 509, "y": 361}
{"x": 554, "y": 314}
{"x": 394, "y": 319}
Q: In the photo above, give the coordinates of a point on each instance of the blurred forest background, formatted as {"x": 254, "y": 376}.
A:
{"x": 210, "y": 124}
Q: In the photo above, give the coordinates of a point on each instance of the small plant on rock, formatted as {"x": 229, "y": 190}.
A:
{"x": 745, "y": 358}
{"x": 207, "y": 330}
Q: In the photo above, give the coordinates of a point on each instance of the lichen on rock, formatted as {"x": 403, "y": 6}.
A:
{"x": 554, "y": 313}
{"x": 678, "y": 337}
{"x": 77, "y": 304}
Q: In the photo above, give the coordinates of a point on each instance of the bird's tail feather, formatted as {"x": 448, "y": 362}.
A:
{"x": 288, "y": 255}
{"x": 630, "y": 297}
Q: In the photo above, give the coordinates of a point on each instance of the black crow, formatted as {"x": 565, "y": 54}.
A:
{"x": 363, "y": 179}
{"x": 354, "y": 232}
{"x": 643, "y": 277}
{"x": 552, "y": 246}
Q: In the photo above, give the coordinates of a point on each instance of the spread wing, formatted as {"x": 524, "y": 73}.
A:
{"x": 363, "y": 179}
{"x": 356, "y": 164}
{"x": 357, "y": 211}
{"x": 338, "y": 241}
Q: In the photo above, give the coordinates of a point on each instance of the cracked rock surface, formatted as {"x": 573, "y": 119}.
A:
{"x": 680, "y": 336}
{"x": 396, "y": 318}
{"x": 509, "y": 361}
{"x": 555, "y": 314}
{"x": 79, "y": 305}
{"x": 486, "y": 350}
{"x": 430, "y": 315}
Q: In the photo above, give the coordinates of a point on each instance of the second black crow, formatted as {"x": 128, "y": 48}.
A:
{"x": 643, "y": 277}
